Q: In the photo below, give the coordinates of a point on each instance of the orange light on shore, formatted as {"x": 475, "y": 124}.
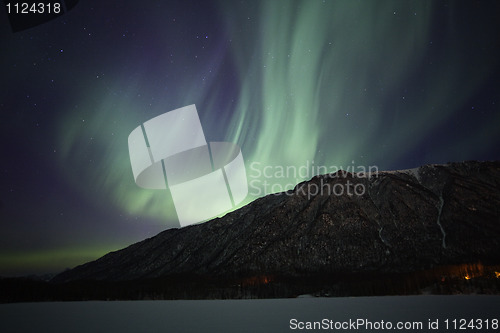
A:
{"x": 257, "y": 280}
{"x": 497, "y": 274}
{"x": 467, "y": 277}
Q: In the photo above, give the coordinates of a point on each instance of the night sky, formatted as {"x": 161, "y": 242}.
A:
{"x": 392, "y": 84}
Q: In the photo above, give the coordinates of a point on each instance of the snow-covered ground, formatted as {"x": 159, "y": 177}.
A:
{"x": 271, "y": 315}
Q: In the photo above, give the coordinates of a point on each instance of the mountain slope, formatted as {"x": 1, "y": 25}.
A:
{"x": 404, "y": 221}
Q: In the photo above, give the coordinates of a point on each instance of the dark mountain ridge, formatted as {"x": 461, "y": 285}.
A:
{"x": 405, "y": 221}
{"x": 433, "y": 229}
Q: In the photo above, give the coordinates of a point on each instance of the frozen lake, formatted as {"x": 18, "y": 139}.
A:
{"x": 270, "y": 315}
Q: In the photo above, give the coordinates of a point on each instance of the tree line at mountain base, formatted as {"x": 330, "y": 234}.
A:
{"x": 451, "y": 279}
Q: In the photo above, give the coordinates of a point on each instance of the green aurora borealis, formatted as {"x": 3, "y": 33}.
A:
{"x": 395, "y": 84}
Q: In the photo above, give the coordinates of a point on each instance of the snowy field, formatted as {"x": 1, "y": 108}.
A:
{"x": 371, "y": 314}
